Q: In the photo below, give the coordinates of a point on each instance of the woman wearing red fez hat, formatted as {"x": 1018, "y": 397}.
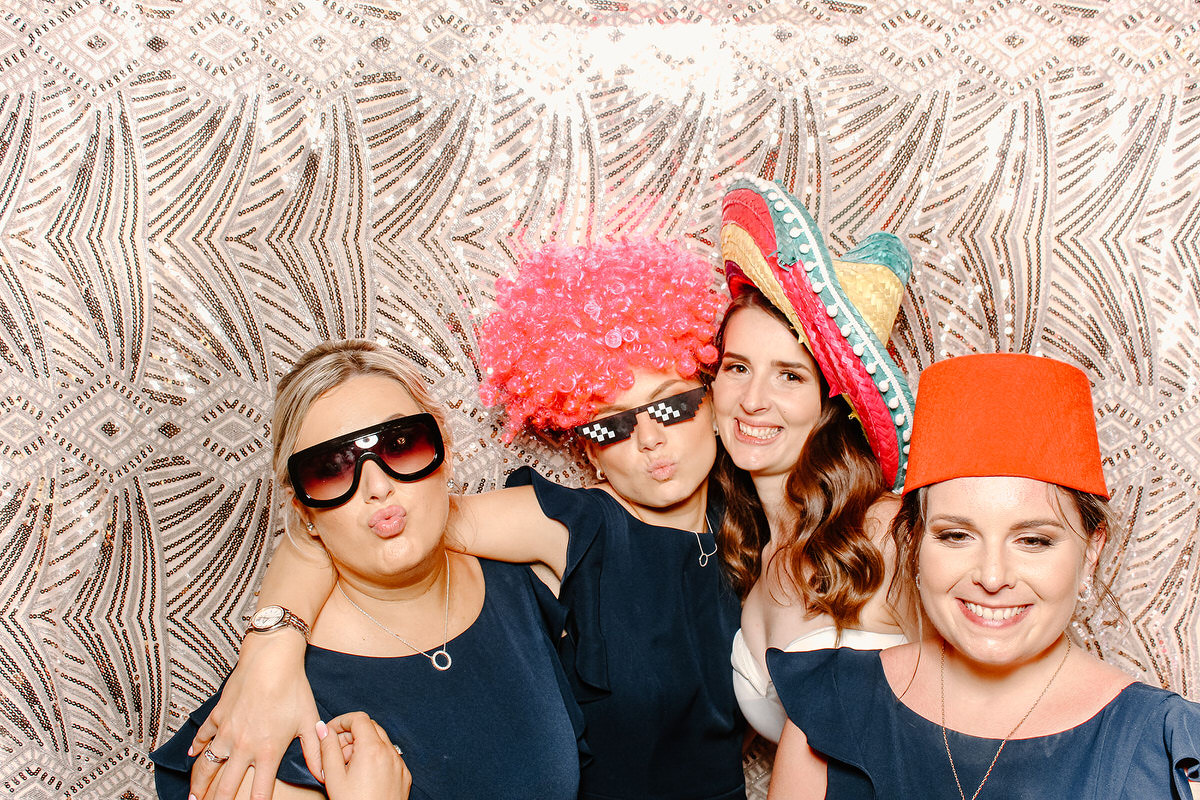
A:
{"x": 1004, "y": 519}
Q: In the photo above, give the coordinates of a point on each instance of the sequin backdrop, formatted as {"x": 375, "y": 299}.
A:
{"x": 193, "y": 193}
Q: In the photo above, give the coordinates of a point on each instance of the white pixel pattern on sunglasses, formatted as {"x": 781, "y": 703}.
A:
{"x": 598, "y": 433}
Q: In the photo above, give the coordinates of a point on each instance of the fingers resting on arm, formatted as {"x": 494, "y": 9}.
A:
{"x": 361, "y": 761}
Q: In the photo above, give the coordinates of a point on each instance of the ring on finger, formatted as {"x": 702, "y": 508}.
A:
{"x": 209, "y": 755}
{"x": 399, "y": 752}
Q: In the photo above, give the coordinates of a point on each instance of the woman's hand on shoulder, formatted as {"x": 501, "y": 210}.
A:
{"x": 265, "y": 704}
{"x": 361, "y": 763}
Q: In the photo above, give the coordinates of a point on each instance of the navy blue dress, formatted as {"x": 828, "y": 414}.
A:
{"x": 649, "y": 633}
{"x": 494, "y": 725}
{"x": 1143, "y": 745}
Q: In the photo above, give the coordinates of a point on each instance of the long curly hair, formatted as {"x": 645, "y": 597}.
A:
{"x": 829, "y": 562}
{"x": 575, "y": 322}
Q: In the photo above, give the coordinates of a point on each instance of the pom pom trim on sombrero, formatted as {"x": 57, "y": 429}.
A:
{"x": 765, "y": 235}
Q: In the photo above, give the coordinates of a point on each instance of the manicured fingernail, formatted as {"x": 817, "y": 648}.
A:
{"x": 190, "y": 753}
{"x": 322, "y": 730}
{"x": 192, "y": 797}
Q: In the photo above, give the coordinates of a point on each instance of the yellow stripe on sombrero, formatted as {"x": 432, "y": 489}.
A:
{"x": 738, "y": 246}
{"x": 874, "y": 291}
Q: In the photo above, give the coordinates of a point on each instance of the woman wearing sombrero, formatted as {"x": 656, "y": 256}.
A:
{"x": 815, "y": 416}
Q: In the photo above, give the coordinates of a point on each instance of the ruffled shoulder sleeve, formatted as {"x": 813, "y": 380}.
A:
{"x": 588, "y": 519}
{"x": 1181, "y": 735}
{"x": 826, "y": 694}
{"x": 1150, "y": 744}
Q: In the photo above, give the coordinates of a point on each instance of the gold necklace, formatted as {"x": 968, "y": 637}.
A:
{"x": 439, "y": 658}
{"x": 1004, "y": 741}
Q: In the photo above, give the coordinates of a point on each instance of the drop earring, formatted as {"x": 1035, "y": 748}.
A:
{"x": 1085, "y": 591}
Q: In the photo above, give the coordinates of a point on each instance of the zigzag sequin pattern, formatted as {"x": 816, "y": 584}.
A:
{"x": 193, "y": 194}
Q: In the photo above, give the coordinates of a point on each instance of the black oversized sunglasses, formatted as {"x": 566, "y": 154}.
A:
{"x": 327, "y": 474}
{"x": 667, "y": 411}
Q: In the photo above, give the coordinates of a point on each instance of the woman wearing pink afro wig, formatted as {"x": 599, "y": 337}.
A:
{"x": 600, "y": 347}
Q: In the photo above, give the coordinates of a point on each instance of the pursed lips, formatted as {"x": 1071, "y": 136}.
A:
{"x": 661, "y": 469}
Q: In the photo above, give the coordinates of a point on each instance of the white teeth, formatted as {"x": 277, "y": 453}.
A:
{"x": 994, "y": 614}
{"x": 759, "y": 432}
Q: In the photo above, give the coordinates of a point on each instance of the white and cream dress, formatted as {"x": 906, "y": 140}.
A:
{"x": 756, "y": 693}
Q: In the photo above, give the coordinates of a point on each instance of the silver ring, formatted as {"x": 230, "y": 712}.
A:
{"x": 209, "y": 755}
{"x": 399, "y": 752}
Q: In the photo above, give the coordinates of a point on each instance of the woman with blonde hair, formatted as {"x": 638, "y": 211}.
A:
{"x": 434, "y": 644}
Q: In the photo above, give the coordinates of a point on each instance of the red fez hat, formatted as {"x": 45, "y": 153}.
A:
{"x": 1005, "y": 414}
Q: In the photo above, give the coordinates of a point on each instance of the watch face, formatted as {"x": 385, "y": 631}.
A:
{"x": 266, "y": 617}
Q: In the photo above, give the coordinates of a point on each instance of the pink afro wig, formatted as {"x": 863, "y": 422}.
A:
{"x": 577, "y": 321}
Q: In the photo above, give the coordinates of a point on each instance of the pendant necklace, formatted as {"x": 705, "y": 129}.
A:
{"x": 1004, "y": 741}
{"x": 703, "y": 560}
{"x": 700, "y": 546}
{"x": 439, "y": 658}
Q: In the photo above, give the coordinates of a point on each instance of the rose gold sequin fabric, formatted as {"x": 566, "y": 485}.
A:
{"x": 193, "y": 193}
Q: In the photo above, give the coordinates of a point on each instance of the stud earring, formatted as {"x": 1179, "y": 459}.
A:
{"x": 308, "y": 526}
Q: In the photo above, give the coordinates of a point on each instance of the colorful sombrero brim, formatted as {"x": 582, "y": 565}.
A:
{"x": 843, "y": 310}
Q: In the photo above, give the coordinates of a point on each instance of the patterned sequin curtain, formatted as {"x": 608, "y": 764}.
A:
{"x": 193, "y": 193}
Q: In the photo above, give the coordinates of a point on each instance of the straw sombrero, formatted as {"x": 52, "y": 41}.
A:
{"x": 842, "y": 310}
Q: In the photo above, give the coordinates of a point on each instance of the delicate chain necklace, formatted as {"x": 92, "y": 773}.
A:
{"x": 700, "y": 546}
{"x": 439, "y": 658}
{"x": 1004, "y": 741}
{"x": 703, "y": 555}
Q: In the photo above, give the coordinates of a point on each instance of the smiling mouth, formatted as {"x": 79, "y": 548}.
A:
{"x": 994, "y": 614}
{"x": 762, "y": 433}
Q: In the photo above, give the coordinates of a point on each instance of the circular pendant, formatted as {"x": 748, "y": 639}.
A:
{"x": 441, "y": 660}
{"x": 704, "y": 559}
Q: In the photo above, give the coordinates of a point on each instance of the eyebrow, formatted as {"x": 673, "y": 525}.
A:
{"x": 669, "y": 383}
{"x": 1049, "y": 522}
{"x": 796, "y": 365}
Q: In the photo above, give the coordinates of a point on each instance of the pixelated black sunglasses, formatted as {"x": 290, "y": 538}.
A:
{"x": 327, "y": 474}
{"x": 667, "y": 411}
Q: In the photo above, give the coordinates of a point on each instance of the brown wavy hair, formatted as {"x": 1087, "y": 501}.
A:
{"x": 908, "y": 527}
{"x": 828, "y": 560}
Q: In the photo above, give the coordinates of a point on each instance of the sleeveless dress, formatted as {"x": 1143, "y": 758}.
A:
{"x": 756, "y": 693}
{"x": 1143, "y": 745}
{"x": 494, "y": 725}
{"x": 648, "y": 632}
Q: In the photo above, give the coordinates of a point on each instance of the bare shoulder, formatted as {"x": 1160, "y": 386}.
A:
{"x": 880, "y": 515}
{"x": 1098, "y": 677}
{"x": 901, "y": 659}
